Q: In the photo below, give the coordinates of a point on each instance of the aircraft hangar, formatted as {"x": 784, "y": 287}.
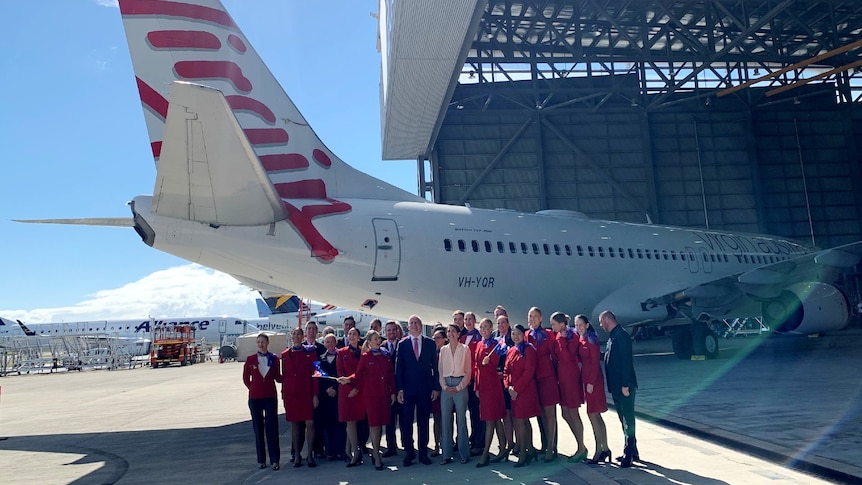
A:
{"x": 724, "y": 114}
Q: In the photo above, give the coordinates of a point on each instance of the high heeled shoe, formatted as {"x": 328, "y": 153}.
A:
{"x": 578, "y": 457}
{"x": 550, "y": 456}
{"x": 484, "y": 461}
{"x": 502, "y": 456}
{"x": 605, "y": 456}
{"x": 532, "y": 455}
{"x": 357, "y": 459}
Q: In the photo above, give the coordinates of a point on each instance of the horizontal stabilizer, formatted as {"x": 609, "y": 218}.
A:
{"x": 87, "y": 221}
{"x": 208, "y": 171}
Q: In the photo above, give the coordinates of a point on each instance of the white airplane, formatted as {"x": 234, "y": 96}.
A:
{"x": 134, "y": 335}
{"x": 245, "y": 186}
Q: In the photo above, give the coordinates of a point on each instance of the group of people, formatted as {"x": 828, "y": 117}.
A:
{"x": 340, "y": 393}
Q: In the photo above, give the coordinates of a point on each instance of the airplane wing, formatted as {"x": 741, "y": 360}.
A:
{"x": 91, "y": 221}
{"x": 741, "y": 294}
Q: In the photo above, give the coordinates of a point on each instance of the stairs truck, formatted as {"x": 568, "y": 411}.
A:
{"x": 173, "y": 344}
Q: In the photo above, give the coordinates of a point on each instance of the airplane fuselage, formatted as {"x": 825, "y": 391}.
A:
{"x": 403, "y": 258}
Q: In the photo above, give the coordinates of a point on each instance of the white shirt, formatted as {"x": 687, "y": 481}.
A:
{"x": 457, "y": 364}
{"x": 262, "y": 364}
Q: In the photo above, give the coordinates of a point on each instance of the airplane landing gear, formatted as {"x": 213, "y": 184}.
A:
{"x": 683, "y": 344}
{"x": 697, "y": 339}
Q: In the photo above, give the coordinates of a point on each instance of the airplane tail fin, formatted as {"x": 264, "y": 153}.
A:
{"x": 262, "y": 310}
{"x": 26, "y": 330}
{"x": 197, "y": 41}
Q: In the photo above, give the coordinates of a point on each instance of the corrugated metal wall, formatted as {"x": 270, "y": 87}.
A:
{"x": 687, "y": 164}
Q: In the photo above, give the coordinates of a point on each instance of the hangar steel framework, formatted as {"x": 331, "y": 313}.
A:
{"x": 724, "y": 114}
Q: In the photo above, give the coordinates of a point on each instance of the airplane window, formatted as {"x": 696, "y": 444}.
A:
{"x": 447, "y": 245}
{"x": 590, "y": 250}
{"x": 622, "y": 252}
{"x": 580, "y": 251}
{"x": 557, "y": 249}
{"x": 475, "y": 245}
{"x": 631, "y": 253}
{"x": 512, "y": 248}
{"x": 487, "y": 246}
{"x": 682, "y": 256}
{"x": 568, "y": 250}
{"x": 535, "y": 248}
{"x": 640, "y": 254}
{"x": 725, "y": 258}
{"x": 547, "y": 249}
{"x": 601, "y": 252}
{"x": 524, "y": 248}
{"x": 611, "y": 252}
{"x": 664, "y": 255}
{"x": 648, "y": 253}
{"x": 673, "y": 255}
{"x": 500, "y": 247}
{"x": 712, "y": 257}
{"x": 655, "y": 251}
{"x": 745, "y": 257}
{"x": 461, "y": 245}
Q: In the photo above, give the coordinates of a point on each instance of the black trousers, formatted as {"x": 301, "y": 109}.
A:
{"x": 626, "y": 410}
{"x": 394, "y": 418}
{"x": 420, "y": 406}
{"x": 264, "y": 420}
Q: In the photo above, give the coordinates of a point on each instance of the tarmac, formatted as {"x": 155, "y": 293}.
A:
{"x": 778, "y": 411}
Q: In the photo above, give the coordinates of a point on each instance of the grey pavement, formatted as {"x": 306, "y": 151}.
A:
{"x": 191, "y": 425}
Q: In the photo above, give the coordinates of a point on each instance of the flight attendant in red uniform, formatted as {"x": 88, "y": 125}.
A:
{"x": 566, "y": 343}
{"x": 594, "y": 385}
{"x": 350, "y": 406}
{"x": 546, "y": 380}
{"x": 375, "y": 379}
{"x": 259, "y": 374}
{"x": 299, "y": 390}
{"x": 519, "y": 377}
{"x": 489, "y": 389}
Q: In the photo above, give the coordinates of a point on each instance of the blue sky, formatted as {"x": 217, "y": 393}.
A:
{"x": 75, "y": 145}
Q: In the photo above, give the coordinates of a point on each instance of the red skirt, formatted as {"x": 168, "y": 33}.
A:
{"x": 571, "y": 390}
{"x": 350, "y": 408}
{"x": 298, "y": 407}
{"x": 597, "y": 402}
{"x": 549, "y": 391}
{"x": 526, "y": 405}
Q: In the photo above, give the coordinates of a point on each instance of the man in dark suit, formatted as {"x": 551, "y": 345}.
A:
{"x": 622, "y": 382}
{"x": 393, "y": 334}
{"x": 418, "y": 384}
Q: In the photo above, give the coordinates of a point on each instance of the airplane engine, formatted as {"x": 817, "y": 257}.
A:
{"x": 807, "y": 308}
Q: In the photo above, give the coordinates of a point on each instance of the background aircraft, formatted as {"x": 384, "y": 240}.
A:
{"x": 134, "y": 335}
{"x": 244, "y": 186}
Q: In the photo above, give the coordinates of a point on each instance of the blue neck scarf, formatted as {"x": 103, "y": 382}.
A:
{"x": 539, "y": 334}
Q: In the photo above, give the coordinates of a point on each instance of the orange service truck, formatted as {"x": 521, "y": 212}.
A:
{"x": 173, "y": 343}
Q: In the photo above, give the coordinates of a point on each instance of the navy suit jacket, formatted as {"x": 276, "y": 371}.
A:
{"x": 416, "y": 378}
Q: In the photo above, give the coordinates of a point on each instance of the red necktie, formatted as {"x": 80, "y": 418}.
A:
{"x": 416, "y": 347}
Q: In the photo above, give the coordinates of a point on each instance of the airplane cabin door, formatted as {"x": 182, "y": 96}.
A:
{"x": 387, "y": 259}
{"x": 222, "y": 327}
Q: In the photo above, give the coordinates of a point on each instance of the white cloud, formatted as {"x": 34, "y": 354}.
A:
{"x": 108, "y": 3}
{"x": 182, "y": 291}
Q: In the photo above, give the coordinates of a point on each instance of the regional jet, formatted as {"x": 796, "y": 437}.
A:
{"x": 134, "y": 335}
{"x": 245, "y": 186}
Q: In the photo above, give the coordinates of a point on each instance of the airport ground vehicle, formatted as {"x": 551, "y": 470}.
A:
{"x": 173, "y": 343}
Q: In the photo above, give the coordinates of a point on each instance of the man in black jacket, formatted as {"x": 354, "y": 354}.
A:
{"x": 622, "y": 382}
